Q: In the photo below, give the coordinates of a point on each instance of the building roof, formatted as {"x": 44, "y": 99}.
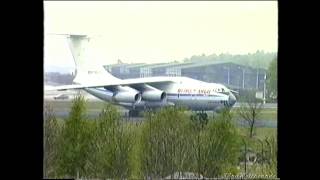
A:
{"x": 126, "y": 65}
{"x": 163, "y": 65}
{"x": 207, "y": 63}
{"x": 151, "y": 66}
{"x": 181, "y": 65}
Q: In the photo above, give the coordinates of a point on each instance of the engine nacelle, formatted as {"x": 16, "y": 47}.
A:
{"x": 154, "y": 95}
{"x": 127, "y": 96}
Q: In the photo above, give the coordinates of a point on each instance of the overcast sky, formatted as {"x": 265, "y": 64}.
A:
{"x": 151, "y": 32}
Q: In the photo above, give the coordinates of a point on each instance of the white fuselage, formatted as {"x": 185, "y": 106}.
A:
{"x": 183, "y": 91}
{"x": 142, "y": 93}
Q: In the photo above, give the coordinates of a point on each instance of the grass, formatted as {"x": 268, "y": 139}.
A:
{"x": 266, "y": 114}
{"x": 67, "y": 104}
{"x": 261, "y": 132}
{"x": 265, "y": 132}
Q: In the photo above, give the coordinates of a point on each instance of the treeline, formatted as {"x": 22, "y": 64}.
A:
{"x": 259, "y": 59}
{"x": 59, "y": 78}
{"x": 165, "y": 144}
{"x": 272, "y": 80}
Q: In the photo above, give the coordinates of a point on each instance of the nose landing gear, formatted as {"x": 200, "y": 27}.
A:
{"x": 134, "y": 113}
{"x": 200, "y": 117}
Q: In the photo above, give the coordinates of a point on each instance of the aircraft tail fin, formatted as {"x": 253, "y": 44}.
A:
{"x": 86, "y": 71}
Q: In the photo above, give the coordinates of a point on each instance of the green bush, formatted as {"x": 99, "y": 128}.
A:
{"x": 164, "y": 147}
{"x": 111, "y": 146}
{"x": 171, "y": 142}
{"x": 166, "y": 142}
{"x": 266, "y": 155}
{"x": 74, "y": 142}
{"x": 51, "y": 137}
{"x": 218, "y": 148}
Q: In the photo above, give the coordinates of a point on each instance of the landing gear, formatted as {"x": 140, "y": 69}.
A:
{"x": 134, "y": 113}
{"x": 200, "y": 117}
{"x": 213, "y": 114}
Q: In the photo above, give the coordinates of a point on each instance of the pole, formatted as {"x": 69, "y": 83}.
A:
{"x": 257, "y": 83}
{"x": 264, "y": 88}
{"x": 242, "y": 78}
{"x": 228, "y": 75}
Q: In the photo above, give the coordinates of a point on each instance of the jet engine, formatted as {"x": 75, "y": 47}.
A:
{"x": 154, "y": 95}
{"x": 127, "y": 94}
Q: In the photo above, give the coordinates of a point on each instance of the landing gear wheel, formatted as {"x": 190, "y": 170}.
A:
{"x": 133, "y": 113}
{"x": 200, "y": 117}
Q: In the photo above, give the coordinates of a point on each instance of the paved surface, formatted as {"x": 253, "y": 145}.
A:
{"x": 266, "y": 106}
{"x": 95, "y": 114}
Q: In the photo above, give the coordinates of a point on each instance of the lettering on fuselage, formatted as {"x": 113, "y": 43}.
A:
{"x": 194, "y": 91}
{"x": 200, "y": 91}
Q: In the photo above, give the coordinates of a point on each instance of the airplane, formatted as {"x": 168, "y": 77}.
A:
{"x": 139, "y": 94}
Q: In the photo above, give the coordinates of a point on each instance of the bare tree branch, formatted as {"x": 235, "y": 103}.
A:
{"x": 250, "y": 111}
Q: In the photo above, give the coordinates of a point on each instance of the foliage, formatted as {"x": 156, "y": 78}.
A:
{"x": 171, "y": 142}
{"x": 250, "y": 111}
{"x": 259, "y": 59}
{"x": 164, "y": 147}
{"x": 111, "y": 146}
{"x": 268, "y": 156}
{"x": 167, "y": 143}
{"x": 59, "y": 78}
{"x": 74, "y": 142}
{"x": 219, "y": 147}
{"x": 272, "y": 80}
{"x": 265, "y": 151}
{"x": 51, "y": 136}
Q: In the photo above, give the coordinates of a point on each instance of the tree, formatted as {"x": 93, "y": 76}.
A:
{"x": 164, "y": 147}
{"x": 270, "y": 156}
{"x": 172, "y": 144}
{"x": 74, "y": 142}
{"x": 218, "y": 148}
{"x": 51, "y": 137}
{"x": 198, "y": 123}
{"x": 272, "y": 80}
{"x": 111, "y": 146}
{"x": 250, "y": 111}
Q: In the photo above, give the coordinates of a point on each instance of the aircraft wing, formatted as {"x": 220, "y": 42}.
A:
{"x": 128, "y": 82}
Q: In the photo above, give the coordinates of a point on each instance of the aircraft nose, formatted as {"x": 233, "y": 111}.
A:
{"x": 232, "y": 99}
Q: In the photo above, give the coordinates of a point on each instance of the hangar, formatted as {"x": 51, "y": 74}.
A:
{"x": 231, "y": 74}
